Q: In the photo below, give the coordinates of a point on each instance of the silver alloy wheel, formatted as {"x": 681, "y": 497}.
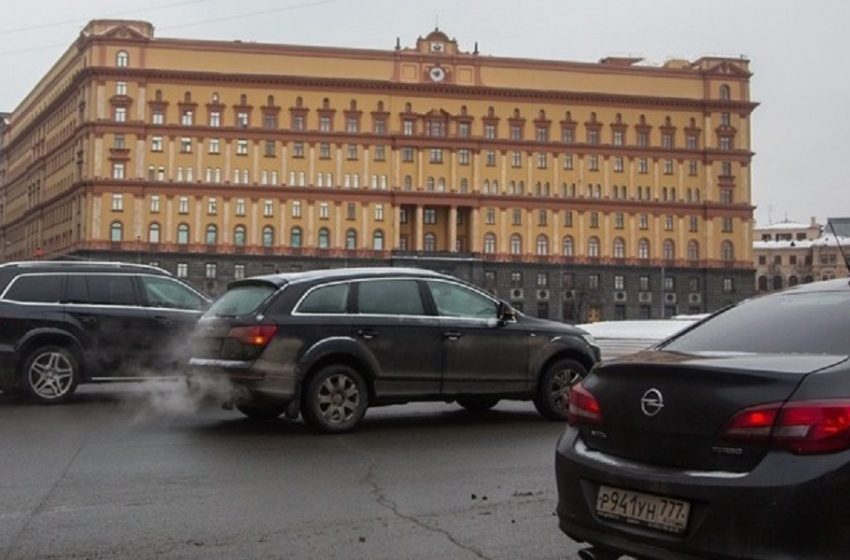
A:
{"x": 562, "y": 382}
{"x": 339, "y": 398}
{"x": 51, "y": 375}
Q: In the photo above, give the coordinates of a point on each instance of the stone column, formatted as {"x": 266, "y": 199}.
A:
{"x": 420, "y": 214}
{"x": 452, "y": 229}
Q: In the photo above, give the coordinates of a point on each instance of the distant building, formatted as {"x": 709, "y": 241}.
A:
{"x": 789, "y": 253}
{"x": 576, "y": 191}
{"x": 840, "y": 225}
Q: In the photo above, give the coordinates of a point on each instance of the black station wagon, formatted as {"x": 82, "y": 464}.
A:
{"x": 328, "y": 344}
{"x": 69, "y": 322}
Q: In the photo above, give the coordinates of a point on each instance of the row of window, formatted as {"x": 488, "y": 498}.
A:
{"x": 430, "y": 215}
{"x": 429, "y": 241}
{"x": 435, "y": 124}
{"x": 435, "y": 155}
{"x": 116, "y": 235}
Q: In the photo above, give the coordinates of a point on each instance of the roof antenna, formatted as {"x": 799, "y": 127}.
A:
{"x": 437, "y": 22}
{"x": 838, "y": 243}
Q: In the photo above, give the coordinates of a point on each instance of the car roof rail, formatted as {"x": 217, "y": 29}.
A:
{"x": 84, "y": 264}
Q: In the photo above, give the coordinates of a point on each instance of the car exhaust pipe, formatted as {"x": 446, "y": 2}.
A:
{"x": 594, "y": 553}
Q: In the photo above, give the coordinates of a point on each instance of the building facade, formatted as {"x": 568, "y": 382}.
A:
{"x": 788, "y": 253}
{"x": 576, "y": 191}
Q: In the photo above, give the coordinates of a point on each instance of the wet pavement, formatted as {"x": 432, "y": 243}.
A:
{"x": 130, "y": 472}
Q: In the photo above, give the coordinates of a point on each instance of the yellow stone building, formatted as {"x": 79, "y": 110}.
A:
{"x": 577, "y": 191}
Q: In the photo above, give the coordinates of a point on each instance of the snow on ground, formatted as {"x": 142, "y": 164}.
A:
{"x": 643, "y": 330}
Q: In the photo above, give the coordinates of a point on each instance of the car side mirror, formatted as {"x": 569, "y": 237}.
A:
{"x": 506, "y": 312}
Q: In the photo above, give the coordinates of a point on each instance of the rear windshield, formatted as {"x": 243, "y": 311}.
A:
{"x": 241, "y": 300}
{"x": 803, "y": 323}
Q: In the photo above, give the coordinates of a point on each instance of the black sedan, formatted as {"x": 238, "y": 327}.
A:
{"x": 730, "y": 440}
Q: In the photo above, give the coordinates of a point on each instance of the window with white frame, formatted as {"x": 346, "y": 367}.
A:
{"x": 117, "y": 202}
{"x": 240, "y": 207}
{"x": 296, "y": 209}
{"x": 268, "y": 208}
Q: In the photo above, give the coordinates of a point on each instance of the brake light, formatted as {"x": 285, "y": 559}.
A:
{"x": 583, "y": 407}
{"x": 802, "y": 427}
{"x": 257, "y": 335}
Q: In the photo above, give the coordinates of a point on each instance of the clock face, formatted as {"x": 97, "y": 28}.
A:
{"x": 436, "y": 47}
{"x": 437, "y": 74}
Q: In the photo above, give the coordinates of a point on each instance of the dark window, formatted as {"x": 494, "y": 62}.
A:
{"x": 163, "y": 292}
{"x": 456, "y": 301}
{"x": 40, "y": 289}
{"x": 812, "y": 323}
{"x": 327, "y": 299}
{"x": 108, "y": 289}
{"x": 389, "y": 297}
{"x": 241, "y": 300}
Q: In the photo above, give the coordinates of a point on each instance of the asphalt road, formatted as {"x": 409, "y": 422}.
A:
{"x": 138, "y": 471}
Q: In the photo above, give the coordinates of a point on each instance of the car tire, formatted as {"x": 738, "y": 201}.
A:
{"x": 262, "y": 412}
{"x": 50, "y": 374}
{"x": 478, "y": 404}
{"x": 335, "y": 399}
{"x": 553, "y": 388}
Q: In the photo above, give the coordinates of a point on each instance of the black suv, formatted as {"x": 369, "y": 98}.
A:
{"x": 67, "y": 322}
{"x": 331, "y": 343}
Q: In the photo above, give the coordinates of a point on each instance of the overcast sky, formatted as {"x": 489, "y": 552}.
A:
{"x": 798, "y": 51}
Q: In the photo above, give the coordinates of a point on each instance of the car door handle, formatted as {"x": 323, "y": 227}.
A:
{"x": 452, "y": 335}
{"x": 368, "y": 334}
{"x": 162, "y": 320}
{"x": 87, "y": 319}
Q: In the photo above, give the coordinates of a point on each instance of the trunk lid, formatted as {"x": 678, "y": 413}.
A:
{"x": 669, "y": 408}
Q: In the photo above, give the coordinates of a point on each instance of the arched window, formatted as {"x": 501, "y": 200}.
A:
{"x": 378, "y": 240}
{"x": 727, "y": 251}
{"x": 643, "y": 249}
{"x": 116, "y": 232}
{"x": 486, "y": 186}
{"x": 268, "y": 236}
{"x": 351, "y": 239}
{"x": 793, "y": 281}
{"x": 429, "y": 184}
{"x": 324, "y": 238}
{"x": 295, "y": 237}
{"x": 619, "y": 248}
{"x": 408, "y": 183}
{"x": 490, "y": 243}
{"x": 725, "y": 92}
{"x": 464, "y": 185}
{"x": 441, "y": 185}
{"x": 569, "y": 246}
{"x": 239, "y": 236}
{"x": 593, "y": 247}
{"x": 542, "y": 245}
{"x": 693, "y": 250}
{"x": 430, "y": 242}
{"x": 122, "y": 59}
{"x": 762, "y": 283}
{"x": 183, "y": 234}
{"x": 777, "y": 282}
{"x": 669, "y": 250}
{"x": 516, "y": 244}
{"x": 212, "y": 234}
{"x": 153, "y": 233}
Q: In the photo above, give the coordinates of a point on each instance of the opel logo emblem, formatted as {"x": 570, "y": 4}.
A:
{"x": 652, "y": 402}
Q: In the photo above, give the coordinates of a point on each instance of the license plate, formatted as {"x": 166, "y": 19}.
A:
{"x": 656, "y": 512}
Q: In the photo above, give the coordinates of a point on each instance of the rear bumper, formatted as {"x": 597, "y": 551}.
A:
{"x": 787, "y": 507}
{"x": 272, "y": 381}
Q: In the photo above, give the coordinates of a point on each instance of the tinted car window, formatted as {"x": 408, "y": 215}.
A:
{"x": 38, "y": 289}
{"x": 389, "y": 297}
{"x": 453, "y": 300}
{"x": 110, "y": 289}
{"x": 241, "y": 300}
{"x": 806, "y": 323}
{"x": 164, "y": 292}
{"x": 326, "y": 299}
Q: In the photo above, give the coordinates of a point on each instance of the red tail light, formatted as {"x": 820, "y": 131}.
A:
{"x": 257, "y": 335}
{"x": 583, "y": 407}
{"x": 803, "y": 427}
